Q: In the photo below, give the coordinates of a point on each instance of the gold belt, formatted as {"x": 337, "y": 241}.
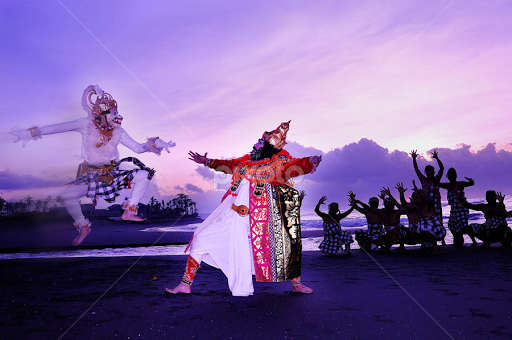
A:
{"x": 242, "y": 210}
{"x": 85, "y": 167}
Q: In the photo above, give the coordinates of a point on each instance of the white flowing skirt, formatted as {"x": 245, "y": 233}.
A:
{"x": 224, "y": 240}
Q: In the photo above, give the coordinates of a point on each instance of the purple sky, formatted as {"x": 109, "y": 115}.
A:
{"x": 358, "y": 79}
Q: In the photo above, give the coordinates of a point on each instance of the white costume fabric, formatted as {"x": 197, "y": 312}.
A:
{"x": 223, "y": 241}
{"x": 98, "y": 156}
{"x": 90, "y": 137}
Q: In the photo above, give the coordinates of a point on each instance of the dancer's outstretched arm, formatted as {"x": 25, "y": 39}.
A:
{"x": 414, "y": 154}
{"x": 223, "y": 165}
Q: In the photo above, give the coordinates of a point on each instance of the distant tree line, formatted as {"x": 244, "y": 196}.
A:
{"x": 28, "y": 204}
{"x": 182, "y": 203}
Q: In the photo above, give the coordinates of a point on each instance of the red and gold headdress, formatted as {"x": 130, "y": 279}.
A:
{"x": 277, "y": 137}
{"x": 103, "y": 102}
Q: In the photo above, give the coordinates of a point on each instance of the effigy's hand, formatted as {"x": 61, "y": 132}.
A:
{"x": 22, "y": 135}
{"x": 414, "y": 154}
{"x": 194, "y": 156}
{"x": 163, "y": 145}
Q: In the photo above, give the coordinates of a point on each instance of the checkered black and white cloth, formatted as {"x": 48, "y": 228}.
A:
{"x": 435, "y": 196}
{"x": 459, "y": 215}
{"x": 433, "y": 226}
{"x": 334, "y": 237}
{"x": 107, "y": 185}
{"x": 490, "y": 223}
{"x": 364, "y": 237}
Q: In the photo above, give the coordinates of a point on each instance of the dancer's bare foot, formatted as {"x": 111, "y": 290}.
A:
{"x": 182, "y": 288}
{"x": 130, "y": 216}
{"x": 81, "y": 236}
{"x": 300, "y": 288}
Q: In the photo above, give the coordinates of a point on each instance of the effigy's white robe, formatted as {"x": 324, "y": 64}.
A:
{"x": 223, "y": 241}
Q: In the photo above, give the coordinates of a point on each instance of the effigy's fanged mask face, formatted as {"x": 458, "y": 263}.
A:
{"x": 112, "y": 117}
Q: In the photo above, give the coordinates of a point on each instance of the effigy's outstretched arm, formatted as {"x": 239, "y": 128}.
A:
{"x": 36, "y": 132}
{"x": 153, "y": 144}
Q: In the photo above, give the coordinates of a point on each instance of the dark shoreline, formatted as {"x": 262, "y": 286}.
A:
{"x": 467, "y": 291}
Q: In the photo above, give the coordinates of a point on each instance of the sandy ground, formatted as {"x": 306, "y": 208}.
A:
{"x": 462, "y": 294}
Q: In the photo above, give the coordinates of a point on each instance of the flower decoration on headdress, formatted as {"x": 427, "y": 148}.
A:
{"x": 277, "y": 137}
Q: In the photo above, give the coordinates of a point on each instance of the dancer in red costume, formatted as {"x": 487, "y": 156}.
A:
{"x": 256, "y": 228}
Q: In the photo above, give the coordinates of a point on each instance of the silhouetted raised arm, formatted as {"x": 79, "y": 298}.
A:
{"x": 440, "y": 164}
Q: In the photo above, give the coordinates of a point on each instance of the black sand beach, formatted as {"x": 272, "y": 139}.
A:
{"x": 464, "y": 293}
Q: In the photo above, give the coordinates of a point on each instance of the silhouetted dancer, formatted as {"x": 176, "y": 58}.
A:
{"x": 375, "y": 228}
{"x": 495, "y": 227}
{"x": 430, "y": 182}
{"x": 430, "y": 227}
{"x": 389, "y": 216}
{"x": 334, "y": 237}
{"x": 459, "y": 215}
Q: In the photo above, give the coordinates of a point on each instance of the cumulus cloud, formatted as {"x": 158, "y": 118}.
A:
{"x": 193, "y": 188}
{"x": 365, "y": 167}
{"x": 179, "y": 187}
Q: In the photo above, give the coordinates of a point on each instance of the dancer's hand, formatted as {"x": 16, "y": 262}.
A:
{"x": 194, "y": 156}
{"x": 500, "y": 197}
{"x": 414, "y": 154}
{"x": 414, "y": 185}
{"x": 400, "y": 187}
{"x": 163, "y": 145}
{"x": 470, "y": 180}
{"x": 322, "y": 200}
{"x": 302, "y": 195}
{"x": 385, "y": 191}
{"x": 434, "y": 154}
{"x": 315, "y": 160}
